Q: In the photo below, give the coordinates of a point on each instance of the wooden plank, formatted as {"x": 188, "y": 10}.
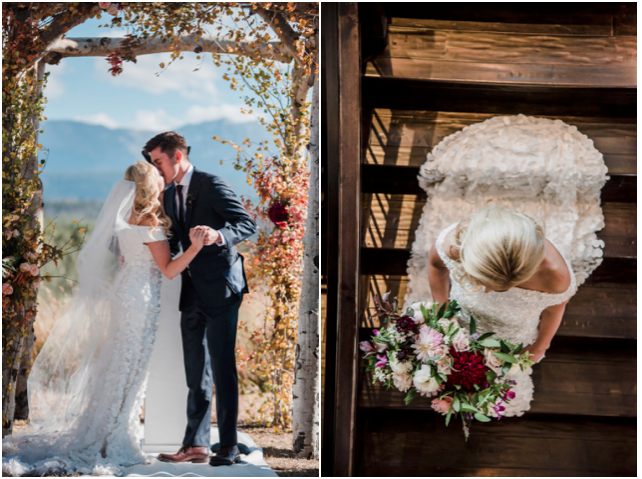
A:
{"x": 405, "y": 138}
{"x": 420, "y": 25}
{"x": 390, "y": 179}
{"x": 598, "y": 310}
{"x": 417, "y": 443}
{"x": 495, "y": 98}
{"x": 343, "y": 201}
{"x": 574, "y": 378}
{"x": 391, "y": 261}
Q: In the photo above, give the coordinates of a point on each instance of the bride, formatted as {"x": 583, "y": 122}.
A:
{"x": 500, "y": 268}
{"x": 87, "y": 384}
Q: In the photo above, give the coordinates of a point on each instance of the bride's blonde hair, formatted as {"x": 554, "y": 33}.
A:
{"x": 498, "y": 247}
{"x": 147, "y": 206}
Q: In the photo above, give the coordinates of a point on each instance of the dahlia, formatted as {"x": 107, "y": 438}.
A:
{"x": 406, "y": 325}
{"x": 278, "y": 213}
{"x": 468, "y": 369}
{"x": 428, "y": 344}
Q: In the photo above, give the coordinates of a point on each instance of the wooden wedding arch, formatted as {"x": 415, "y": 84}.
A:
{"x": 399, "y": 77}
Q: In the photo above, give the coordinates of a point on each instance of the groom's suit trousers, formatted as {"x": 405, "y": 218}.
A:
{"x": 209, "y": 338}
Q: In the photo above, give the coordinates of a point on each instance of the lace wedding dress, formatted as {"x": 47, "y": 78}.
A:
{"x": 87, "y": 384}
{"x": 543, "y": 168}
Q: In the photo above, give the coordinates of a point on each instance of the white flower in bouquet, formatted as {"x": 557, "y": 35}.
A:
{"x": 492, "y": 361}
{"x": 514, "y": 369}
{"x": 428, "y": 344}
{"x": 418, "y": 316}
{"x": 444, "y": 323}
{"x": 381, "y": 375}
{"x": 394, "y": 335}
{"x": 424, "y": 382}
{"x": 460, "y": 341}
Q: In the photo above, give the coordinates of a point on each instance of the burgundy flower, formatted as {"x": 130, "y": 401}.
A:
{"x": 406, "y": 324}
{"x": 403, "y": 355}
{"x": 278, "y": 213}
{"x": 468, "y": 369}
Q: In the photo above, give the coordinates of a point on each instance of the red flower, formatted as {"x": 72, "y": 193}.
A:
{"x": 468, "y": 369}
{"x": 278, "y": 213}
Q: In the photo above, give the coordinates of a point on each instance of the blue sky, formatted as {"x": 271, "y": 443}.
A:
{"x": 82, "y": 89}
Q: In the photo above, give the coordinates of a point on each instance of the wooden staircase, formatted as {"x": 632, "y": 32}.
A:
{"x": 447, "y": 66}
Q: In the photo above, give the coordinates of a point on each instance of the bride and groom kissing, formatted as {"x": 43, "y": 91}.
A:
{"x": 87, "y": 384}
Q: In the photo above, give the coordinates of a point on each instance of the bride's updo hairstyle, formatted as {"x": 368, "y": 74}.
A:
{"x": 499, "y": 248}
{"x": 147, "y": 206}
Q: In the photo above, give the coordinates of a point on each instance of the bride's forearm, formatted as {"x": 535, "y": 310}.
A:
{"x": 176, "y": 266}
{"x": 549, "y": 324}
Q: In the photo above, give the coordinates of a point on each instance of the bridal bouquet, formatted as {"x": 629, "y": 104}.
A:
{"x": 425, "y": 352}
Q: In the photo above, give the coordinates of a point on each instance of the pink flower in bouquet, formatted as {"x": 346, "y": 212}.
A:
{"x": 443, "y": 365}
{"x": 460, "y": 341}
{"x": 278, "y": 213}
{"x": 383, "y": 360}
{"x": 367, "y": 347}
{"x": 104, "y": 5}
{"x": 402, "y": 381}
{"x": 25, "y": 267}
{"x": 442, "y": 405}
{"x": 7, "y": 289}
{"x": 428, "y": 344}
{"x": 34, "y": 270}
{"x": 468, "y": 369}
{"x": 375, "y": 332}
{"x": 113, "y": 9}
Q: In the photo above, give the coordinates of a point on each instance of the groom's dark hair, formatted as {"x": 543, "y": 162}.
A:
{"x": 169, "y": 142}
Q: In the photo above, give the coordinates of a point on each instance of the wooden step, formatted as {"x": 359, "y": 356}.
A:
{"x": 402, "y": 180}
{"x": 404, "y": 138}
{"x": 599, "y": 310}
{"x": 417, "y": 443}
{"x": 498, "y": 98}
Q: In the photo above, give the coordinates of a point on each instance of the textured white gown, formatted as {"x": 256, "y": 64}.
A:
{"x": 543, "y": 168}
{"x": 106, "y": 435}
{"x": 513, "y": 315}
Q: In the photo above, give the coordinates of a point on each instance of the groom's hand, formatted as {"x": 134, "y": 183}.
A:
{"x": 212, "y": 236}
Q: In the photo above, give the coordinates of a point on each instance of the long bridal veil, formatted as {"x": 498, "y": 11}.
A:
{"x": 65, "y": 382}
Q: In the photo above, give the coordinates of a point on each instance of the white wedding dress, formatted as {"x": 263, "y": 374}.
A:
{"x": 543, "y": 168}
{"x": 513, "y": 315}
{"x": 87, "y": 384}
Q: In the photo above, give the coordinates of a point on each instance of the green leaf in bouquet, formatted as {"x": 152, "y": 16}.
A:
{"x": 457, "y": 387}
{"x": 412, "y": 394}
{"x": 489, "y": 343}
{"x": 473, "y": 326}
{"x": 504, "y": 347}
{"x": 505, "y": 357}
{"x": 409, "y": 312}
{"x": 452, "y": 309}
{"x": 440, "y": 314}
{"x": 505, "y": 368}
{"x": 456, "y": 404}
{"x": 518, "y": 349}
{"x": 491, "y": 376}
{"x": 435, "y": 308}
{"x": 468, "y": 408}
{"x": 424, "y": 311}
{"x": 450, "y": 411}
{"x": 481, "y": 418}
{"x": 443, "y": 377}
{"x": 484, "y": 336}
{"x": 476, "y": 387}
{"x": 475, "y": 399}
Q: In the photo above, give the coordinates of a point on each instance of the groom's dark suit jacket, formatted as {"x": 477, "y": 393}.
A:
{"x": 216, "y": 274}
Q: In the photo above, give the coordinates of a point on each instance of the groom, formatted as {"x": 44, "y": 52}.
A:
{"x": 211, "y": 294}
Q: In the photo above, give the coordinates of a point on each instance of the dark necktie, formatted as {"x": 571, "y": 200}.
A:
{"x": 181, "y": 208}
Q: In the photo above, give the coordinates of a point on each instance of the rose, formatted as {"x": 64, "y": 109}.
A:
{"x": 34, "y": 270}
{"x": 443, "y": 365}
{"x": 400, "y": 367}
{"x": 7, "y": 289}
{"x": 442, "y": 405}
{"x": 25, "y": 267}
{"x": 424, "y": 382}
{"x": 492, "y": 361}
{"x": 113, "y": 10}
{"x": 460, "y": 341}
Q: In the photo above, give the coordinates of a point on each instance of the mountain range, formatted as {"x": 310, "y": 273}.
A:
{"x": 85, "y": 160}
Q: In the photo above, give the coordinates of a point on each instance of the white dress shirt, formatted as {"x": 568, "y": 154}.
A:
{"x": 185, "y": 180}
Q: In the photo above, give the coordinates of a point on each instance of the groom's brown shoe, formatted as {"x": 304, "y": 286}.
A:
{"x": 226, "y": 456}
{"x": 198, "y": 455}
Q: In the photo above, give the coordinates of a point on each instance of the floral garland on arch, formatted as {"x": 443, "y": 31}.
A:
{"x": 425, "y": 352}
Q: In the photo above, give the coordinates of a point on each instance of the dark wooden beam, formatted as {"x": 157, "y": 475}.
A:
{"x": 393, "y": 261}
{"x": 410, "y": 94}
{"x": 399, "y": 443}
{"x": 343, "y": 157}
{"x": 403, "y": 180}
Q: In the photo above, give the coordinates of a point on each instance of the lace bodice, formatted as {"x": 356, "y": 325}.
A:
{"x": 105, "y": 437}
{"x": 514, "y": 314}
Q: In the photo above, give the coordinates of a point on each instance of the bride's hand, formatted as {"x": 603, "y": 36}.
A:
{"x": 537, "y": 352}
{"x": 197, "y": 237}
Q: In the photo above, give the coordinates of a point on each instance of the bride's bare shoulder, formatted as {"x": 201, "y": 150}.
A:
{"x": 553, "y": 274}
{"x": 449, "y": 245}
